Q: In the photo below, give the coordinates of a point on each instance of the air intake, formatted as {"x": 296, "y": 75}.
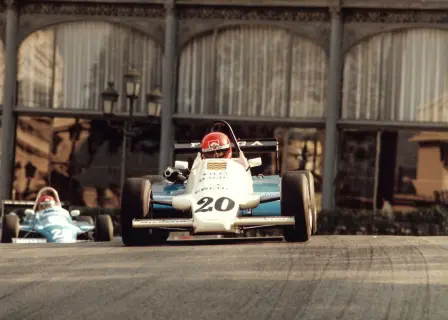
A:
{"x": 222, "y": 165}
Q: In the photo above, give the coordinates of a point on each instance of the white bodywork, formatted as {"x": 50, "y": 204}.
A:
{"x": 215, "y": 191}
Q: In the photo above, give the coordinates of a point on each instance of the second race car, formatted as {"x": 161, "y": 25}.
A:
{"x": 49, "y": 222}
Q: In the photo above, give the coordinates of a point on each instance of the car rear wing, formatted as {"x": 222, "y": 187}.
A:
{"x": 19, "y": 206}
{"x": 246, "y": 145}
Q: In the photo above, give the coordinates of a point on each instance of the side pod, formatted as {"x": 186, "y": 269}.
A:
{"x": 265, "y": 199}
{"x": 162, "y": 202}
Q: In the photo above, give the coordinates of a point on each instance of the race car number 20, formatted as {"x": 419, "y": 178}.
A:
{"x": 221, "y": 204}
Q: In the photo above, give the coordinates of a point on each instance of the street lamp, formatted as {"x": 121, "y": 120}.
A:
{"x": 154, "y": 103}
{"x": 132, "y": 81}
{"x": 109, "y": 97}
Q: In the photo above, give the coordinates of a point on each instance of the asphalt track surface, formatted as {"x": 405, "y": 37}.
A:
{"x": 330, "y": 277}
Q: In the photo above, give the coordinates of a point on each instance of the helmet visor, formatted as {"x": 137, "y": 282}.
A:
{"x": 215, "y": 153}
{"x": 47, "y": 204}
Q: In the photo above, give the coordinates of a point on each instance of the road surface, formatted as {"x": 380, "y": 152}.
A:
{"x": 330, "y": 277}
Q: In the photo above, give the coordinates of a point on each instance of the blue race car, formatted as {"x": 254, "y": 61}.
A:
{"x": 214, "y": 196}
{"x": 54, "y": 224}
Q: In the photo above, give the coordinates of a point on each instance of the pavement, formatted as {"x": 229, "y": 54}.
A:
{"x": 329, "y": 277}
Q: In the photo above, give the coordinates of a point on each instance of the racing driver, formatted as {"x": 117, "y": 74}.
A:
{"x": 46, "y": 202}
{"x": 216, "y": 145}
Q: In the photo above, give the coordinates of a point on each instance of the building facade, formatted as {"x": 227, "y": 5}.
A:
{"x": 348, "y": 89}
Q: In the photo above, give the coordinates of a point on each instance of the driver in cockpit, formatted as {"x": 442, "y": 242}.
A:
{"x": 46, "y": 202}
{"x": 216, "y": 145}
{"x": 48, "y": 205}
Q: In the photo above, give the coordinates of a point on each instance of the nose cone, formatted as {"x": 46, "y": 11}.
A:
{"x": 215, "y": 213}
{"x": 213, "y": 222}
{"x": 60, "y": 235}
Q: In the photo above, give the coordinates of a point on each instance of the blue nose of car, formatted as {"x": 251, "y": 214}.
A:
{"x": 58, "y": 234}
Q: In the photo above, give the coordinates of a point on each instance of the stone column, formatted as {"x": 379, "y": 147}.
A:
{"x": 168, "y": 86}
{"x": 334, "y": 98}
{"x": 9, "y": 94}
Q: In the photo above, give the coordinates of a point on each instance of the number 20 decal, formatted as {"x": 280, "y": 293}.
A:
{"x": 221, "y": 204}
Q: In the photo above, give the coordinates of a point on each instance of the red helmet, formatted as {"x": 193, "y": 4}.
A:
{"x": 46, "y": 202}
{"x": 216, "y": 145}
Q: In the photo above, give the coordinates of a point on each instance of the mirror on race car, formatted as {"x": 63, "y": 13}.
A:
{"x": 75, "y": 213}
{"x": 255, "y": 162}
{"x": 29, "y": 212}
{"x": 181, "y": 165}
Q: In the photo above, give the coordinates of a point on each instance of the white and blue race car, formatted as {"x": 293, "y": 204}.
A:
{"x": 218, "y": 197}
{"x": 54, "y": 225}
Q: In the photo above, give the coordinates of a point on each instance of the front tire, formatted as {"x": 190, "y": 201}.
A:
{"x": 10, "y": 228}
{"x": 135, "y": 204}
{"x": 104, "y": 228}
{"x": 310, "y": 177}
{"x": 295, "y": 202}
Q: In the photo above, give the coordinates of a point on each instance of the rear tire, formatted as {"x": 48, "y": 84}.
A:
{"x": 104, "y": 228}
{"x": 87, "y": 219}
{"x": 10, "y": 228}
{"x": 135, "y": 204}
{"x": 295, "y": 202}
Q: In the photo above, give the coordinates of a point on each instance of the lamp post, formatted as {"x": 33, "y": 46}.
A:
{"x": 132, "y": 86}
{"x": 154, "y": 103}
{"x": 109, "y": 97}
{"x": 132, "y": 83}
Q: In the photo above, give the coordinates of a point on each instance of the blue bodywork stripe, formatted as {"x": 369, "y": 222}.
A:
{"x": 262, "y": 185}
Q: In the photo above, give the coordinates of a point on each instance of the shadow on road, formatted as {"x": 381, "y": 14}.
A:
{"x": 209, "y": 242}
{"x": 170, "y": 243}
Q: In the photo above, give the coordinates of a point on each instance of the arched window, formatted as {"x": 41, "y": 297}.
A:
{"x": 253, "y": 71}
{"x": 398, "y": 76}
{"x": 68, "y": 65}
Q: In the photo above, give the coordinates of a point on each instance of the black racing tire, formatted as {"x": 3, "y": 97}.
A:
{"x": 10, "y": 228}
{"x": 87, "y": 219}
{"x": 133, "y": 197}
{"x": 295, "y": 202}
{"x": 104, "y": 228}
{"x": 310, "y": 177}
{"x": 135, "y": 204}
